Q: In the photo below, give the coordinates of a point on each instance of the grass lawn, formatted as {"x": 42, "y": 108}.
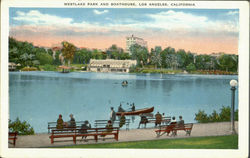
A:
{"x": 213, "y": 142}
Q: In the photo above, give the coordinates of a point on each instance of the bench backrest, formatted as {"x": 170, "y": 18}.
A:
{"x": 103, "y": 123}
{"x": 164, "y": 119}
{"x": 52, "y": 125}
{"x": 76, "y": 131}
{"x": 185, "y": 126}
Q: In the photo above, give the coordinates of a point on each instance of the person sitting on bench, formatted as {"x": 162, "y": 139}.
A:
{"x": 170, "y": 127}
{"x": 181, "y": 122}
{"x": 144, "y": 120}
{"x": 59, "y": 124}
{"x": 173, "y": 120}
{"x": 109, "y": 129}
{"x": 84, "y": 128}
{"x": 158, "y": 119}
{"x": 71, "y": 123}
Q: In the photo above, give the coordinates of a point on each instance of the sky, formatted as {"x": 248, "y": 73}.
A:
{"x": 201, "y": 31}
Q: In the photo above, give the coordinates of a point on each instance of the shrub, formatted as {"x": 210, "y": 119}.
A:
{"x": 29, "y": 69}
{"x": 215, "y": 117}
{"x": 23, "y": 128}
{"x": 224, "y": 115}
{"x": 201, "y": 117}
{"x": 191, "y": 67}
{"x": 44, "y": 58}
{"x": 48, "y": 67}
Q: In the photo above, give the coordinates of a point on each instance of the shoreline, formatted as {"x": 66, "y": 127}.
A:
{"x": 168, "y": 73}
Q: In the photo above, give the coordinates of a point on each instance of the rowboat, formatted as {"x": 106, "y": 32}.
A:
{"x": 137, "y": 112}
{"x": 124, "y": 83}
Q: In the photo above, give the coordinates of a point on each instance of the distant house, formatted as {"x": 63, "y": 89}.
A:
{"x": 110, "y": 65}
{"x": 134, "y": 40}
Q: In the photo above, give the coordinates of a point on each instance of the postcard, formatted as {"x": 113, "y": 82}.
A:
{"x": 86, "y": 78}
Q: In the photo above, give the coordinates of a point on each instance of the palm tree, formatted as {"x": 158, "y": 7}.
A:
{"x": 156, "y": 59}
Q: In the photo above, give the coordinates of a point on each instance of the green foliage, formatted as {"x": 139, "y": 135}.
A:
{"x": 44, "y": 58}
{"x": 201, "y": 117}
{"x": 82, "y": 56}
{"x": 224, "y": 115}
{"x": 68, "y": 51}
{"x": 156, "y": 57}
{"x": 23, "y": 128}
{"x": 29, "y": 69}
{"x": 228, "y": 62}
{"x": 191, "y": 67}
{"x": 48, "y": 67}
{"x": 96, "y": 54}
{"x": 27, "y": 55}
{"x": 56, "y": 60}
{"x": 140, "y": 54}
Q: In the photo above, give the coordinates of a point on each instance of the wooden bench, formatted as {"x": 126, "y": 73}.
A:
{"x": 76, "y": 132}
{"x": 174, "y": 128}
{"x": 103, "y": 123}
{"x": 187, "y": 128}
{"x": 165, "y": 120}
{"x": 52, "y": 125}
{"x": 13, "y": 136}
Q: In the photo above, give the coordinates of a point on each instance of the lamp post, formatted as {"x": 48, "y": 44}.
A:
{"x": 233, "y": 84}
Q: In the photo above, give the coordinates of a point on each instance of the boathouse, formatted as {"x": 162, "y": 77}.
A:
{"x": 110, "y": 65}
{"x": 12, "y": 66}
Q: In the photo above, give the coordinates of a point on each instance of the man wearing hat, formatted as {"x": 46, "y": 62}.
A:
{"x": 72, "y": 122}
{"x": 112, "y": 115}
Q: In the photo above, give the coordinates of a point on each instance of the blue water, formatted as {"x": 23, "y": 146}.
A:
{"x": 39, "y": 97}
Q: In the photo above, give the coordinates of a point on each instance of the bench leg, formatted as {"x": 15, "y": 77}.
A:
{"x": 188, "y": 132}
{"x": 14, "y": 142}
{"x": 95, "y": 138}
{"x": 116, "y": 137}
{"x": 74, "y": 139}
{"x": 52, "y": 139}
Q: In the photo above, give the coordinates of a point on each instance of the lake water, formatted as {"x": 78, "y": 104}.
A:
{"x": 39, "y": 97}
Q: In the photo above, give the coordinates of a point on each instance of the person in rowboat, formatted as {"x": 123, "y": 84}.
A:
{"x": 120, "y": 109}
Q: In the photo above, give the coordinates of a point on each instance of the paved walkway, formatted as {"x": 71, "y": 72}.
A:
{"x": 204, "y": 129}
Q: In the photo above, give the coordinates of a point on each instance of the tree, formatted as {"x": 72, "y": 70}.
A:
{"x": 68, "y": 51}
{"x": 82, "y": 56}
{"x": 228, "y": 62}
{"x": 13, "y": 55}
{"x": 44, "y": 58}
{"x": 181, "y": 58}
{"x": 190, "y": 67}
{"x": 125, "y": 56}
{"x": 29, "y": 60}
{"x": 167, "y": 58}
{"x": 156, "y": 58}
{"x": 139, "y": 53}
{"x": 56, "y": 60}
